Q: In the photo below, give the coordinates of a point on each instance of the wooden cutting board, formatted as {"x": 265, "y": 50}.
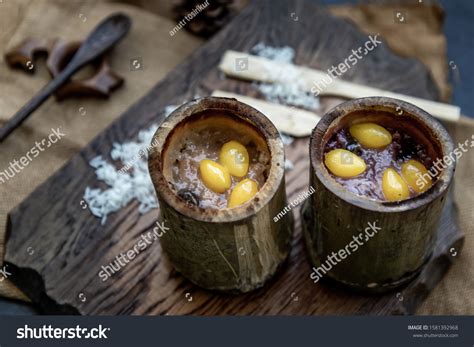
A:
{"x": 55, "y": 249}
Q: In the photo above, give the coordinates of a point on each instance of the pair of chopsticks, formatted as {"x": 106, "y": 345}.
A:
{"x": 257, "y": 69}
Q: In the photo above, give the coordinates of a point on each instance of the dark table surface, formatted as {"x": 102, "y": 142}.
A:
{"x": 459, "y": 31}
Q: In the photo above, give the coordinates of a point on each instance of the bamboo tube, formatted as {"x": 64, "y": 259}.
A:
{"x": 408, "y": 228}
{"x": 265, "y": 70}
{"x": 235, "y": 250}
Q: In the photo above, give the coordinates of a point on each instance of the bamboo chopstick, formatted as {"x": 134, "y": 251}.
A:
{"x": 292, "y": 121}
{"x": 266, "y": 70}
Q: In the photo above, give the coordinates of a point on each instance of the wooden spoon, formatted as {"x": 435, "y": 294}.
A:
{"x": 101, "y": 39}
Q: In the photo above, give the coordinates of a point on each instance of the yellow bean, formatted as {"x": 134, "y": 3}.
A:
{"x": 371, "y": 135}
{"x": 344, "y": 163}
{"x": 235, "y": 158}
{"x": 393, "y": 186}
{"x": 215, "y": 176}
{"x": 242, "y": 192}
{"x": 416, "y": 175}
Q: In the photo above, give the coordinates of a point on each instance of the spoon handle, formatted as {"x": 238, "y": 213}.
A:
{"x": 34, "y": 103}
{"x": 100, "y": 40}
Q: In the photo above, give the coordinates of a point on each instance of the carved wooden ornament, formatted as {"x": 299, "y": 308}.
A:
{"x": 59, "y": 53}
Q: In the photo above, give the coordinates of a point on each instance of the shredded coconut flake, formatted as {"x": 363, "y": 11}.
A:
{"x": 289, "y": 165}
{"x": 290, "y": 89}
{"x": 130, "y": 181}
{"x": 133, "y": 183}
{"x": 169, "y": 109}
{"x": 283, "y": 54}
{"x": 286, "y": 139}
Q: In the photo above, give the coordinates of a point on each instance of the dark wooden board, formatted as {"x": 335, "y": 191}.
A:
{"x": 55, "y": 249}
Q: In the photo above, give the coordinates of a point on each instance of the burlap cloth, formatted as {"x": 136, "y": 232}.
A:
{"x": 420, "y": 37}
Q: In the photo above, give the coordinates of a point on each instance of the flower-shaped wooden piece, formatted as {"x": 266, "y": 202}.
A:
{"x": 59, "y": 53}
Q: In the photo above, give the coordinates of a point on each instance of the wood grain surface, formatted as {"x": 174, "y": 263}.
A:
{"x": 55, "y": 249}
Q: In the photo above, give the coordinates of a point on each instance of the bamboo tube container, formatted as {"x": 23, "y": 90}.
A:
{"x": 232, "y": 250}
{"x": 408, "y": 228}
